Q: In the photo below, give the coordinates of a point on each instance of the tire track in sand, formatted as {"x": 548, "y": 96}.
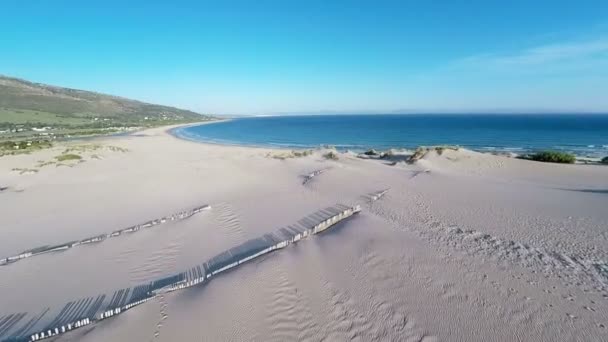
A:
{"x": 573, "y": 270}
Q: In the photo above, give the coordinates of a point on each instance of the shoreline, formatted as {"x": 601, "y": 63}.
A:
{"x": 170, "y": 129}
{"x": 508, "y": 152}
{"x": 582, "y": 153}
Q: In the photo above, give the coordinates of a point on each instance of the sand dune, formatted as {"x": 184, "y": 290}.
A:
{"x": 463, "y": 247}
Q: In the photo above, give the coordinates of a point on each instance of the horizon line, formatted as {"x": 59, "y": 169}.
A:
{"x": 419, "y": 113}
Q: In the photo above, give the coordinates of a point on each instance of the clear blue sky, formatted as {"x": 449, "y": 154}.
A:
{"x": 264, "y": 57}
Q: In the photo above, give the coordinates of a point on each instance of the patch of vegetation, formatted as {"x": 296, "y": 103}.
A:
{"x": 69, "y": 156}
{"x": 93, "y": 147}
{"x": 373, "y": 154}
{"x": 117, "y": 149}
{"x": 83, "y": 148}
{"x": 23, "y": 171}
{"x": 604, "y": 160}
{"x": 42, "y": 163}
{"x": 292, "y": 154}
{"x": 422, "y": 151}
{"x": 22, "y": 147}
{"x": 331, "y": 155}
{"x": 417, "y": 155}
{"x": 552, "y": 157}
{"x": 299, "y": 154}
{"x": 388, "y": 154}
{"x": 278, "y": 156}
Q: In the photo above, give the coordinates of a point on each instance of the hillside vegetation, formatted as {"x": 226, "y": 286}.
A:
{"x": 33, "y": 110}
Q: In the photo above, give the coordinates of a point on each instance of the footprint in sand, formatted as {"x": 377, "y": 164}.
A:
{"x": 163, "y": 315}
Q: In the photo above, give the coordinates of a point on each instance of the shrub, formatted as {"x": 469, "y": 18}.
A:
{"x": 387, "y": 154}
{"x": 331, "y": 155}
{"x": 292, "y": 154}
{"x": 422, "y": 151}
{"x": 65, "y": 157}
{"x": 441, "y": 149}
{"x": 23, "y": 171}
{"x": 43, "y": 163}
{"x": 117, "y": 149}
{"x": 417, "y": 155}
{"x": 604, "y": 160}
{"x": 371, "y": 152}
{"x": 304, "y": 153}
{"x": 553, "y": 157}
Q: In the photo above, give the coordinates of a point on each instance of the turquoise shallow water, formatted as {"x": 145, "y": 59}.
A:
{"x": 583, "y": 134}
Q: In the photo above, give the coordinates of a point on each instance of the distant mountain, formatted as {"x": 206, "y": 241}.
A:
{"x": 26, "y": 103}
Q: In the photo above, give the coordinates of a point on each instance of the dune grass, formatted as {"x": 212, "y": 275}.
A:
{"x": 331, "y": 155}
{"x": 67, "y": 157}
{"x": 23, "y": 171}
{"x": 422, "y": 151}
{"x": 42, "y": 163}
{"x": 291, "y": 154}
{"x": 86, "y": 148}
{"x": 553, "y": 157}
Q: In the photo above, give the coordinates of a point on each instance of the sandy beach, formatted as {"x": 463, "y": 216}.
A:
{"x": 464, "y": 246}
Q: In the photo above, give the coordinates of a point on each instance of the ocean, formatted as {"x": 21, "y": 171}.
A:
{"x": 586, "y": 135}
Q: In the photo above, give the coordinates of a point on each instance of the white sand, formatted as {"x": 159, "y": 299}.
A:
{"x": 480, "y": 248}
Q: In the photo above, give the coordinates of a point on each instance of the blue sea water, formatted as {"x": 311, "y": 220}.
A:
{"x": 582, "y": 134}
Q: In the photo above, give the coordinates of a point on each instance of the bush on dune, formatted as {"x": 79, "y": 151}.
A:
{"x": 304, "y": 153}
{"x": 421, "y": 152}
{"x": 65, "y": 157}
{"x": 553, "y": 157}
{"x": 331, "y": 155}
{"x": 417, "y": 155}
{"x": 292, "y": 154}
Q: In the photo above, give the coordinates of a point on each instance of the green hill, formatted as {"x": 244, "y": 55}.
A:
{"x": 28, "y": 108}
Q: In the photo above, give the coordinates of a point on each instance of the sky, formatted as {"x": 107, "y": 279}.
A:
{"x": 268, "y": 57}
